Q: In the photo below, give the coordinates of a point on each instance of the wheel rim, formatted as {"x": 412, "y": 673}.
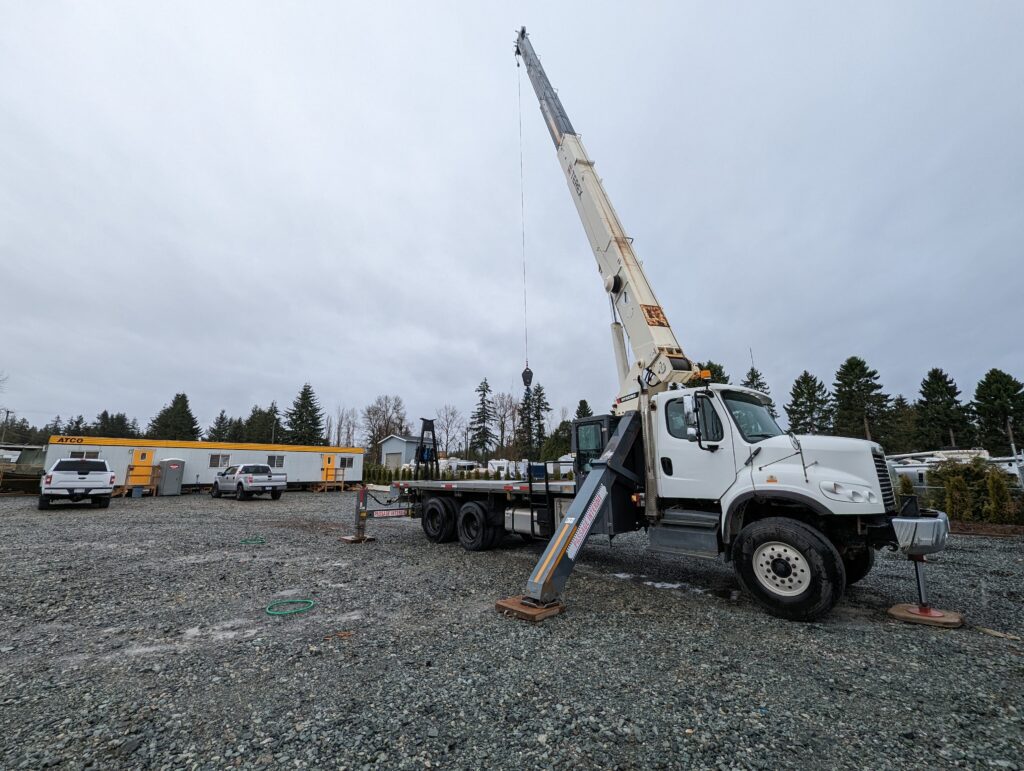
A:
{"x": 471, "y": 527}
{"x": 432, "y": 521}
{"x": 781, "y": 569}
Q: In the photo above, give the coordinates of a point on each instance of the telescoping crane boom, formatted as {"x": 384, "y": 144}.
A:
{"x": 658, "y": 359}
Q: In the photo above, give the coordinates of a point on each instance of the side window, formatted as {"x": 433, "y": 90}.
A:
{"x": 230, "y": 469}
{"x": 679, "y": 417}
{"x": 76, "y": 454}
{"x": 275, "y": 461}
{"x": 93, "y": 454}
{"x": 710, "y": 425}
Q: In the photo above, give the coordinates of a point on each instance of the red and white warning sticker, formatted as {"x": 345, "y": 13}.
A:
{"x": 588, "y": 520}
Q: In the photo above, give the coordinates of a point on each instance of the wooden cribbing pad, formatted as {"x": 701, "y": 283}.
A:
{"x": 515, "y": 607}
{"x": 906, "y": 611}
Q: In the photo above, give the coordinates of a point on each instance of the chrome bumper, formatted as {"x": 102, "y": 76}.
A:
{"x": 921, "y": 535}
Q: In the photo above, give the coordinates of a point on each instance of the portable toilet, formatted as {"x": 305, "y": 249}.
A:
{"x": 172, "y": 471}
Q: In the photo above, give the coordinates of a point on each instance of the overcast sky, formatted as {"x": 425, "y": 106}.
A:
{"x": 230, "y": 199}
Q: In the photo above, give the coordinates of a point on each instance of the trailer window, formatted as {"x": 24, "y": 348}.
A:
{"x": 275, "y": 461}
{"x": 219, "y": 461}
{"x": 344, "y": 462}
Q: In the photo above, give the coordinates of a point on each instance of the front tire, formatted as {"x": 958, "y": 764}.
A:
{"x": 790, "y": 569}
{"x": 858, "y": 564}
{"x": 44, "y": 502}
{"x": 215, "y": 491}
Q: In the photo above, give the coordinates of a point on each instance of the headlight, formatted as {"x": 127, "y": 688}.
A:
{"x": 847, "y": 493}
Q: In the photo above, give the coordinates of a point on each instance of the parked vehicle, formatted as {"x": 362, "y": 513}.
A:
{"x": 248, "y": 480}
{"x": 77, "y": 479}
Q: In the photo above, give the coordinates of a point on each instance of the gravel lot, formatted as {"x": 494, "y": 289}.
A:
{"x": 136, "y": 637}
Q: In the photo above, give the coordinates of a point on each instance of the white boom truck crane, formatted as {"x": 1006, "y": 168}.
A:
{"x": 705, "y": 470}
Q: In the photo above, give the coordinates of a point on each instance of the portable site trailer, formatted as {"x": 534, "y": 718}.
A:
{"x": 134, "y": 460}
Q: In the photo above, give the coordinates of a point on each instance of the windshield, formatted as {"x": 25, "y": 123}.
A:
{"x": 751, "y": 416}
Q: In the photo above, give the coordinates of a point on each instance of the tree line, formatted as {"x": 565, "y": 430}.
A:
{"x": 304, "y": 423}
{"x": 857, "y": 405}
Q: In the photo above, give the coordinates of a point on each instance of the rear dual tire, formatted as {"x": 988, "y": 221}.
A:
{"x": 476, "y": 530}
{"x": 790, "y": 569}
{"x": 439, "y": 520}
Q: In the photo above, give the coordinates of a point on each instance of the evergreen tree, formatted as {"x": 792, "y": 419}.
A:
{"x": 76, "y": 427}
{"x": 264, "y": 425}
{"x": 116, "y": 425}
{"x": 218, "y": 432}
{"x": 942, "y": 421}
{"x": 810, "y": 407}
{"x": 541, "y": 408}
{"x": 236, "y": 430}
{"x": 525, "y": 434}
{"x": 756, "y": 381}
{"x": 175, "y": 421}
{"x": 54, "y": 428}
{"x": 481, "y": 433}
{"x": 558, "y": 444}
{"x": 583, "y": 410}
{"x": 305, "y": 419}
{"x": 717, "y": 371}
{"x": 860, "y": 404}
{"x": 998, "y": 396}
{"x": 900, "y": 427}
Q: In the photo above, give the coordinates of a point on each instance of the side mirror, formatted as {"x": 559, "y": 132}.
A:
{"x": 691, "y": 434}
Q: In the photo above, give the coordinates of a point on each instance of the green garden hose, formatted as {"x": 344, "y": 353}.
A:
{"x": 252, "y": 541}
{"x": 306, "y": 605}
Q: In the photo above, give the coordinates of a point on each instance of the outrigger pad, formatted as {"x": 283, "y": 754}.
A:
{"x": 915, "y": 614}
{"x": 515, "y": 607}
{"x": 357, "y": 538}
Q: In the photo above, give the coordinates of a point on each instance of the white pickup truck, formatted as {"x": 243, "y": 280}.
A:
{"x": 76, "y": 479}
{"x": 247, "y": 480}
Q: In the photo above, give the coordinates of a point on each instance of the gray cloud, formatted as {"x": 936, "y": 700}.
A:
{"x": 233, "y": 200}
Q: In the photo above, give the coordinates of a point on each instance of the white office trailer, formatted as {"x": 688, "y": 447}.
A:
{"x": 134, "y": 461}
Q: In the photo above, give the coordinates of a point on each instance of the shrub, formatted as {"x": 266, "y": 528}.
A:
{"x": 998, "y": 506}
{"x": 959, "y": 501}
{"x": 906, "y": 485}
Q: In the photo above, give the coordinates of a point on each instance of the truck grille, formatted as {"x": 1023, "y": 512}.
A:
{"x": 885, "y": 482}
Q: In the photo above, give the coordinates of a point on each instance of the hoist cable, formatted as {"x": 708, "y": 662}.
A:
{"x": 522, "y": 213}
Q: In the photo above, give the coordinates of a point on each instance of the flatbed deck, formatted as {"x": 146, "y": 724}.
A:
{"x": 559, "y": 487}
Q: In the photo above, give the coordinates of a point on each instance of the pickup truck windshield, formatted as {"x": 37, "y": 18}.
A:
{"x": 255, "y": 469}
{"x": 751, "y": 416}
{"x": 81, "y": 466}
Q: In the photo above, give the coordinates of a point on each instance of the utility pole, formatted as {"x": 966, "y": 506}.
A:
{"x": 3, "y": 434}
{"x": 1013, "y": 449}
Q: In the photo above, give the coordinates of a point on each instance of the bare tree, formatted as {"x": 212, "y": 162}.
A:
{"x": 383, "y": 417}
{"x": 505, "y": 410}
{"x": 449, "y": 425}
{"x": 554, "y": 422}
{"x": 346, "y": 423}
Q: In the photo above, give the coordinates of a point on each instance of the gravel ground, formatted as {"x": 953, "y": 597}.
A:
{"x": 136, "y": 637}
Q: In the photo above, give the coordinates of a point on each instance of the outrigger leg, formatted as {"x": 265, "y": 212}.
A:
{"x": 602, "y": 505}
